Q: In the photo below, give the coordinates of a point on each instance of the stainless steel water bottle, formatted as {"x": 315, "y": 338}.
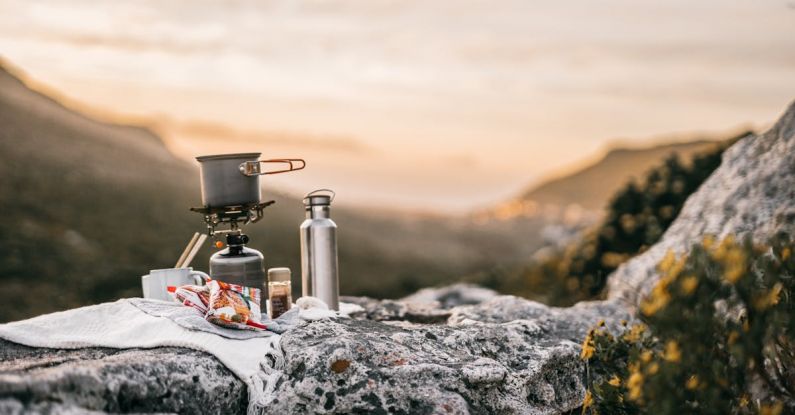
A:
{"x": 319, "y": 249}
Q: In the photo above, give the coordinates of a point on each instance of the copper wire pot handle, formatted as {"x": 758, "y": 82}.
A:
{"x": 252, "y": 168}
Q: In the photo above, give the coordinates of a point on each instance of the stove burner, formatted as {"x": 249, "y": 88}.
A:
{"x": 235, "y": 216}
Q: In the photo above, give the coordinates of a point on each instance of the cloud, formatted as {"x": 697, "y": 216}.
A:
{"x": 207, "y": 130}
{"x": 123, "y": 42}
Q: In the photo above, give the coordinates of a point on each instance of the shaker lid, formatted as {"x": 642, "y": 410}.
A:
{"x": 320, "y": 197}
{"x": 278, "y": 274}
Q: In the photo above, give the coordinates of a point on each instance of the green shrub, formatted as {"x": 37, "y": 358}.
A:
{"x": 715, "y": 337}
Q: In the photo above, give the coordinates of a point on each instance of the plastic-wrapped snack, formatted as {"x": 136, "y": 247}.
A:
{"x": 234, "y": 306}
{"x": 196, "y": 296}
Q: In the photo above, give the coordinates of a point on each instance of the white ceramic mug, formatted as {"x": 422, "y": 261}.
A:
{"x": 155, "y": 285}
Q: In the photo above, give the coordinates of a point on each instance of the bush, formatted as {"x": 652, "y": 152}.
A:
{"x": 715, "y": 337}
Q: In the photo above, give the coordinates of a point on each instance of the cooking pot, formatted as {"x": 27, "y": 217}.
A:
{"x": 233, "y": 179}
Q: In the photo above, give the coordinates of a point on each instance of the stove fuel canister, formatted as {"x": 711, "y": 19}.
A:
{"x": 238, "y": 264}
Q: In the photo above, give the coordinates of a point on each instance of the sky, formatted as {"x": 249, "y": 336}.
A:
{"x": 443, "y": 105}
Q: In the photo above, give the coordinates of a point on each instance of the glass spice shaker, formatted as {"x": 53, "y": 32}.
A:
{"x": 279, "y": 292}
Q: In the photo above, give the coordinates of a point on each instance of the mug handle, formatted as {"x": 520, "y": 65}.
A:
{"x": 199, "y": 278}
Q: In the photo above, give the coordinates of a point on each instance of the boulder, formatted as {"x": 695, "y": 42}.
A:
{"x": 457, "y": 350}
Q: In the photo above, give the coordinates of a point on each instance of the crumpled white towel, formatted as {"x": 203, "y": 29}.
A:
{"x": 122, "y": 325}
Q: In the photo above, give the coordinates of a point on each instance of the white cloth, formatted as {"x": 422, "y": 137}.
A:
{"x": 122, "y": 325}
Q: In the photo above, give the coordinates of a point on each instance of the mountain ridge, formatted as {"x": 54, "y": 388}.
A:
{"x": 594, "y": 183}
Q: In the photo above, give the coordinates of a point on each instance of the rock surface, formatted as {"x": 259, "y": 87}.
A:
{"x": 459, "y": 349}
{"x": 166, "y": 379}
{"x": 505, "y": 355}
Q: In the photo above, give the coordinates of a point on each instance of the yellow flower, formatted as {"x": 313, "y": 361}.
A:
{"x": 678, "y": 267}
{"x": 588, "y": 401}
{"x": 646, "y": 356}
{"x": 672, "y": 353}
{"x": 613, "y": 260}
{"x": 657, "y": 300}
{"x": 771, "y": 298}
{"x": 733, "y": 273}
{"x": 634, "y": 333}
{"x": 774, "y": 409}
{"x": 774, "y": 293}
{"x": 744, "y": 400}
{"x": 635, "y": 386}
{"x": 587, "y": 347}
{"x": 720, "y": 252}
{"x": 667, "y": 262}
{"x": 735, "y": 263}
{"x": 785, "y": 253}
{"x": 587, "y": 352}
{"x": 614, "y": 381}
{"x": 689, "y": 284}
{"x": 692, "y": 383}
{"x": 653, "y": 368}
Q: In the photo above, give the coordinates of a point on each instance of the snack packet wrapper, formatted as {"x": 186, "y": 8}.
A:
{"x": 196, "y": 296}
{"x": 234, "y": 306}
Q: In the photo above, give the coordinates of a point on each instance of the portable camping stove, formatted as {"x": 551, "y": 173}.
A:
{"x": 237, "y": 263}
{"x": 234, "y": 216}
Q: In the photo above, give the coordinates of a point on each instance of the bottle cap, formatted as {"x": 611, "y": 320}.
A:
{"x": 278, "y": 274}
{"x": 320, "y": 197}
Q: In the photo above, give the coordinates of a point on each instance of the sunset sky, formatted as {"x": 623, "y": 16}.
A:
{"x": 440, "y": 105}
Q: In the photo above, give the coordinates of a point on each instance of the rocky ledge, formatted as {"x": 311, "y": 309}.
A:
{"x": 459, "y": 349}
{"x": 502, "y": 354}
{"x": 167, "y": 379}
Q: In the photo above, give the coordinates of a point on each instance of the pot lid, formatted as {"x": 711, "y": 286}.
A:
{"x": 229, "y": 156}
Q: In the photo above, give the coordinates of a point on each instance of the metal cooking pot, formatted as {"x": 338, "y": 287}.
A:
{"x": 233, "y": 179}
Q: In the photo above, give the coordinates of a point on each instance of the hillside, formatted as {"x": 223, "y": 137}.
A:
{"x": 78, "y": 199}
{"x": 591, "y": 186}
{"x": 90, "y": 206}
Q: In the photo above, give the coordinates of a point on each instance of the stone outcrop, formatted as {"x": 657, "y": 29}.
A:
{"x": 459, "y": 349}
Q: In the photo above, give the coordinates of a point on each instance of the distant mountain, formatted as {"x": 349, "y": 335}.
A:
{"x": 90, "y": 206}
{"x": 592, "y": 186}
{"x": 568, "y": 204}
